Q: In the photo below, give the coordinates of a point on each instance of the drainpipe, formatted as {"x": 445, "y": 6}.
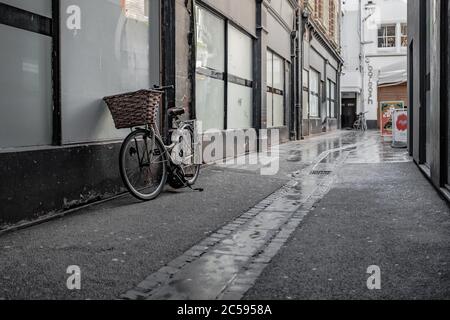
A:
{"x": 302, "y": 23}
{"x": 297, "y": 81}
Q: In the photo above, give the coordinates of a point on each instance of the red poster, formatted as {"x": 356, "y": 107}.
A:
{"x": 386, "y": 109}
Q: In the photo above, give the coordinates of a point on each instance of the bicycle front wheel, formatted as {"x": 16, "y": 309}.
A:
{"x": 143, "y": 165}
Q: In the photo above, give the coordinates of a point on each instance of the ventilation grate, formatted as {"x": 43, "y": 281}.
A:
{"x": 320, "y": 173}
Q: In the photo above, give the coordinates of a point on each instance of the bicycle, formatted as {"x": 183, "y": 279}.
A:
{"x": 361, "y": 123}
{"x": 146, "y": 163}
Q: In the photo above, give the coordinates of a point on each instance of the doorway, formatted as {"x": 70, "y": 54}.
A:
{"x": 348, "y": 112}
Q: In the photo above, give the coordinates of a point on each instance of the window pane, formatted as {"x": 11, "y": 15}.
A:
{"x": 390, "y": 30}
{"x": 305, "y": 104}
{"x": 25, "y": 88}
{"x": 210, "y": 41}
{"x": 210, "y": 102}
{"x": 381, "y": 32}
{"x": 269, "y": 110}
{"x": 240, "y": 53}
{"x": 328, "y": 89}
{"x": 314, "y": 105}
{"x": 278, "y": 72}
{"x": 269, "y": 69}
{"x": 333, "y": 91}
{"x": 314, "y": 92}
{"x": 404, "y": 29}
{"x": 314, "y": 82}
{"x": 113, "y": 49}
{"x": 278, "y": 110}
{"x": 305, "y": 79}
{"x": 240, "y": 106}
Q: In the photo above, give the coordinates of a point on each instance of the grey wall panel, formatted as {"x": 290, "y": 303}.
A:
{"x": 317, "y": 62}
{"x": 332, "y": 73}
{"x": 284, "y": 9}
{"x": 25, "y": 88}
{"x": 41, "y": 7}
{"x": 324, "y": 52}
{"x": 279, "y": 39}
{"x": 242, "y": 12}
{"x": 108, "y": 55}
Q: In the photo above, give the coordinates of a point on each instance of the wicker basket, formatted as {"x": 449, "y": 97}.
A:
{"x": 134, "y": 109}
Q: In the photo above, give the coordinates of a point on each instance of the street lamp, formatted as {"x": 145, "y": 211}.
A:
{"x": 370, "y": 7}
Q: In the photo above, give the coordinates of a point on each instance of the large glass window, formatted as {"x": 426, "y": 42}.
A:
{"x": 314, "y": 97}
{"x": 305, "y": 94}
{"x": 210, "y": 81}
{"x": 240, "y": 76}
{"x": 213, "y": 74}
{"x": 275, "y": 90}
{"x": 387, "y": 36}
{"x": 404, "y": 35}
{"x": 26, "y": 78}
{"x": 331, "y": 99}
{"x": 109, "y": 54}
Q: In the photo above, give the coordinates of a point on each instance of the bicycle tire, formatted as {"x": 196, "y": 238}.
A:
{"x": 137, "y": 193}
{"x": 175, "y": 183}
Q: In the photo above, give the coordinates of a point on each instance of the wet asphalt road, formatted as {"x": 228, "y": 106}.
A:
{"x": 389, "y": 216}
{"x": 119, "y": 243}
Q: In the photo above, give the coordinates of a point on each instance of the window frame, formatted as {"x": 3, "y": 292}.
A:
{"x": 384, "y": 28}
{"x": 305, "y": 87}
{"x": 49, "y": 27}
{"x": 404, "y": 35}
{"x": 331, "y": 101}
{"x": 225, "y": 76}
{"x": 312, "y": 92}
{"x": 276, "y": 91}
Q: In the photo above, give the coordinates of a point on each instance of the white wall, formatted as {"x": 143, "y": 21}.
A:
{"x": 386, "y": 12}
{"x": 352, "y": 77}
{"x": 351, "y": 80}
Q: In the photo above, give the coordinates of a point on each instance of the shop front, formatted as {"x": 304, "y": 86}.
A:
{"x": 58, "y": 143}
{"x": 321, "y": 73}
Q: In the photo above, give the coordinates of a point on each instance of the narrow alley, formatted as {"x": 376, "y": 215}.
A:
{"x": 340, "y": 203}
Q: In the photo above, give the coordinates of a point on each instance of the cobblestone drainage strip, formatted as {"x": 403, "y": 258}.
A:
{"x": 227, "y": 264}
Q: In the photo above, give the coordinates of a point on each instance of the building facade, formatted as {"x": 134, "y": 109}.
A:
{"x": 233, "y": 67}
{"x": 428, "y": 87}
{"x": 375, "y": 69}
{"x": 321, "y": 66}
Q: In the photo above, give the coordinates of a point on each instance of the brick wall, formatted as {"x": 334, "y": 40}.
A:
{"x": 326, "y": 15}
{"x": 393, "y": 93}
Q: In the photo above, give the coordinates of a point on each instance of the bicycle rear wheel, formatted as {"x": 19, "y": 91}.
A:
{"x": 143, "y": 165}
{"x": 191, "y": 170}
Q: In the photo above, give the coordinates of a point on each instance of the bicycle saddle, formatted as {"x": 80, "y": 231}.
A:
{"x": 174, "y": 112}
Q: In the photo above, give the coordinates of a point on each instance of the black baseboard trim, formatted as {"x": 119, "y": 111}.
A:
{"x": 44, "y": 182}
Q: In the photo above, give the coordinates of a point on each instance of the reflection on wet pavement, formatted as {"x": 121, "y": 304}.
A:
{"x": 226, "y": 264}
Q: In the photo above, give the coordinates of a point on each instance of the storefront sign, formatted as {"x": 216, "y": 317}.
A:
{"x": 370, "y": 82}
{"x": 400, "y": 129}
{"x": 386, "y": 111}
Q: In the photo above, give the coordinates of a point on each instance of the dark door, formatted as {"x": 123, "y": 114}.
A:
{"x": 348, "y": 112}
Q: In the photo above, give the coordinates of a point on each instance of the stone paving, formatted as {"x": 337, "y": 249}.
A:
{"x": 184, "y": 244}
{"x": 227, "y": 264}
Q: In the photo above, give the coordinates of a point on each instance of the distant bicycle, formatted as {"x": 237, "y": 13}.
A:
{"x": 361, "y": 122}
{"x": 146, "y": 163}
